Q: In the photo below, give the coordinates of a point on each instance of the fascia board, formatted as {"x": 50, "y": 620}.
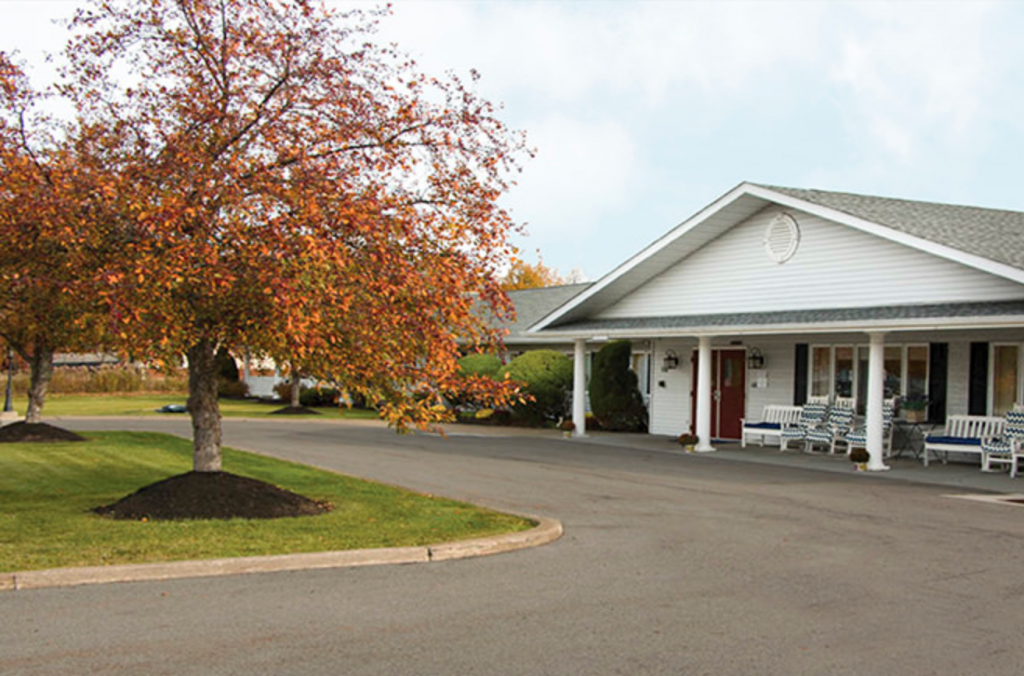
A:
{"x": 645, "y": 254}
{"x": 882, "y": 326}
{"x": 949, "y": 253}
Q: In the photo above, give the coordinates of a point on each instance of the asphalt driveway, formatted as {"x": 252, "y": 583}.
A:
{"x": 670, "y": 564}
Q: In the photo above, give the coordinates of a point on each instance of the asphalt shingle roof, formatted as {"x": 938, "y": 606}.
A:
{"x": 790, "y": 317}
{"x": 990, "y": 233}
{"x": 534, "y": 304}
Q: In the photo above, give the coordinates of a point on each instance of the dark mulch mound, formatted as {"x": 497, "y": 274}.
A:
{"x": 23, "y": 431}
{"x": 294, "y": 410}
{"x": 212, "y": 495}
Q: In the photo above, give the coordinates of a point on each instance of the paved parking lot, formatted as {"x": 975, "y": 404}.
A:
{"x": 671, "y": 564}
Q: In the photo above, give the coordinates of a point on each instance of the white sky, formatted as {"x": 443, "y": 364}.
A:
{"x": 643, "y": 113}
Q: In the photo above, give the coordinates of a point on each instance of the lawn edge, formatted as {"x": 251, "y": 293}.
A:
{"x": 546, "y": 531}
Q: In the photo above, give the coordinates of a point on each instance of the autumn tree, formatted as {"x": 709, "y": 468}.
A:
{"x": 49, "y": 202}
{"x": 523, "y": 275}
{"x": 298, "y": 191}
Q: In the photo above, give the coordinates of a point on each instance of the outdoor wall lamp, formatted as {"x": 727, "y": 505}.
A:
{"x": 755, "y": 360}
{"x": 671, "y": 361}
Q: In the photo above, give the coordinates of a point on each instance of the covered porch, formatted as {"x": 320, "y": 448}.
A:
{"x": 708, "y": 372}
{"x": 961, "y": 478}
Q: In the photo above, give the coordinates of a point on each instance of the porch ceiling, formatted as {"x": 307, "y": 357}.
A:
{"x": 886, "y": 318}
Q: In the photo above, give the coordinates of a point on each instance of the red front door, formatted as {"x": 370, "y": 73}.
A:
{"x": 728, "y": 392}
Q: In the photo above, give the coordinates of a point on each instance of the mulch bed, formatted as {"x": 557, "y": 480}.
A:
{"x": 212, "y": 495}
{"x": 22, "y": 431}
{"x": 294, "y": 410}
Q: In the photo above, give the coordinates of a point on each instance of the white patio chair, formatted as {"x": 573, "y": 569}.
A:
{"x": 1005, "y": 449}
{"x": 811, "y": 415}
{"x": 858, "y": 438}
{"x": 833, "y": 431}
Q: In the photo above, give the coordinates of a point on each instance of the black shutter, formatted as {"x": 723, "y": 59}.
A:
{"x": 938, "y": 376}
{"x": 800, "y": 367}
{"x": 977, "y": 392}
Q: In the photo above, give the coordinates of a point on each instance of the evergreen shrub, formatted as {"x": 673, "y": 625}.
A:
{"x": 477, "y": 364}
{"x": 547, "y": 377}
{"x": 615, "y": 398}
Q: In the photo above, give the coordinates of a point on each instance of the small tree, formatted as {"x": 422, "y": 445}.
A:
{"x": 547, "y": 378}
{"x": 50, "y": 202}
{"x": 614, "y": 397}
{"x": 295, "y": 189}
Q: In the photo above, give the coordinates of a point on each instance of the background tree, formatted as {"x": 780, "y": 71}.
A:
{"x": 50, "y": 203}
{"x": 523, "y": 275}
{"x": 297, "y": 190}
{"x": 614, "y": 396}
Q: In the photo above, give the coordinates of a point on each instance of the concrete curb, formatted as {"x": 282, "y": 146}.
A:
{"x": 547, "y": 530}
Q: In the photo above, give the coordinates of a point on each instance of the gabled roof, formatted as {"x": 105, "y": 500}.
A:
{"x": 989, "y": 233}
{"x": 533, "y": 305}
{"x": 986, "y": 239}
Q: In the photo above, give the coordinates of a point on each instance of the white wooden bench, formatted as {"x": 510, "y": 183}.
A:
{"x": 774, "y": 417}
{"x": 963, "y": 434}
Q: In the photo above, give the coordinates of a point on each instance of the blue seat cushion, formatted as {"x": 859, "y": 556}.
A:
{"x": 960, "y": 441}
{"x": 763, "y": 426}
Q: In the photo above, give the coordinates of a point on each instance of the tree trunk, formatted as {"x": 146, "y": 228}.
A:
{"x": 203, "y": 407}
{"x": 296, "y": 383}
{"x": 41, "y": 371}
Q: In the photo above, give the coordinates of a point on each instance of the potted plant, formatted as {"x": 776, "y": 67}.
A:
{"x": 914, "y": 408}
{"x": 687, "y": 441}
{"x": 859, "y": 457}
{"x": 567, "y": 427}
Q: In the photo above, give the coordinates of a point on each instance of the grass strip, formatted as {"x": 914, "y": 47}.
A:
{"x": 48, "y": 490}
{"x": 147, "y": 404}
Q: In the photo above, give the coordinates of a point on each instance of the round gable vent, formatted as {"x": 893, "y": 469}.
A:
{"x": 781, "y": 238}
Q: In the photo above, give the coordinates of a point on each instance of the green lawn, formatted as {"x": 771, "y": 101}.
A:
{"x": 48, "y": 490}
{"x": 146, "y": 404}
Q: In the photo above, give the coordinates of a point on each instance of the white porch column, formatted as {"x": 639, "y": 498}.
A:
{"x": 876, "y": 398}
{"x": 703, "y": 390}
{"x": 579, "y": 388}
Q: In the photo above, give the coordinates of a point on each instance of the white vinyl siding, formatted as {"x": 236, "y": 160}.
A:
{"x": 670, "y": 390}
{"x": 834, "y": 267}
{"x": 778, "y": 370}
{"x": 671, "y": 408}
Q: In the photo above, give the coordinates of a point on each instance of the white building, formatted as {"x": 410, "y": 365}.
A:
{"x": 770, "y": 295}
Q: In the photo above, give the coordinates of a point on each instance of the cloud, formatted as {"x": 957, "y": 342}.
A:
{"x": 565, "y": 52}
{"x": 909, "y": 79}
{"x": 582, "y": 170}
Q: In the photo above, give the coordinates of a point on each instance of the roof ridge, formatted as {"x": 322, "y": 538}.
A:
{"x": 901, "y": 200}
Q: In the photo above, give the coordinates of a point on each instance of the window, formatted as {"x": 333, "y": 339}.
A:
{"x": 821, "y": 371}
{"x": 916, "y": 364}
{"x": 842, "y": 370}
{"x": 1006, "y": 377}
{"x": 640, "y": 364}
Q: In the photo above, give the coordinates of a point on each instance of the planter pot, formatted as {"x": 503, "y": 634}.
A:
{"x": 916, "y": 416}
{"x": 860, "y": 466}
